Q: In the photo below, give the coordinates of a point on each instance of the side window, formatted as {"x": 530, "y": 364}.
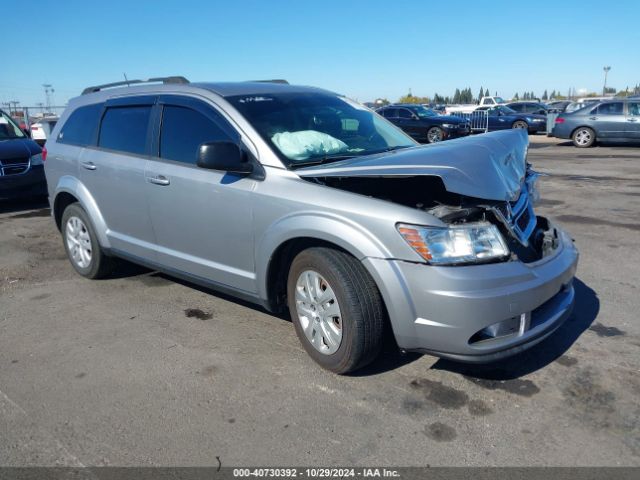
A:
{"x": 80, "y": 127}
{"x": 184, "y": 130}
{"x": 517, "y": 107}
{"x": 613, "y": 108}
{"x": 125, "y": 129}
{"x": 404, "y": 113}
{"x": 489, "y": 101}
{"x": 634, "y": 108}
{"x": 391, "y": 113}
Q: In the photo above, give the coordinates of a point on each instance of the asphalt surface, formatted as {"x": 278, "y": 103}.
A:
{"x": 146, "y": 370}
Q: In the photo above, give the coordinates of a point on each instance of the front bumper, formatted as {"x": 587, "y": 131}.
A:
{"x": 31, "y": 183}
{"x": 441, "y": 310}
{"x": 457, "y": 131}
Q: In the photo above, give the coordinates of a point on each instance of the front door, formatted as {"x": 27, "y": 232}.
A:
{"x": 202, "y": 219}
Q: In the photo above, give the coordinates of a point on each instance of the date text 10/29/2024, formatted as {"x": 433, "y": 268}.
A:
{"x": 316, "y": 472}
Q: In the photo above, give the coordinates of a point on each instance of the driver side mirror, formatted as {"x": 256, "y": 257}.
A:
{"x": 224, "y": 156}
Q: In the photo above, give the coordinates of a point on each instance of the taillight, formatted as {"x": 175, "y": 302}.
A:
{"x": 44, "y": 154}
{"x": 559, "y": 120}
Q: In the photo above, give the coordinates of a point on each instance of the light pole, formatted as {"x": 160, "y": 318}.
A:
{"x": 604, "y": 89}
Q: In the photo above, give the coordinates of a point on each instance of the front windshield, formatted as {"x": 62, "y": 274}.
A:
{"x": 8, "y": 128}
{"x": 305, "y": 128}
{"x": 499, "y": 100}
{"x": 424, "y": 112}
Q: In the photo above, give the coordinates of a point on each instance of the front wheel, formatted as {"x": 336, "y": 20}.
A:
{"x": 336, "y": 309}
{"x": 435, "y": 135}
{"x": 520, "y": 124}
{"x": 583, "y": 137}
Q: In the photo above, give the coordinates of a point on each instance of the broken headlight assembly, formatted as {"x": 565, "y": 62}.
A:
{"x": 457, "y": 244}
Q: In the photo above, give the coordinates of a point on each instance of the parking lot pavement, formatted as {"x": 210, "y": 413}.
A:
{"x": 146, "y": 370}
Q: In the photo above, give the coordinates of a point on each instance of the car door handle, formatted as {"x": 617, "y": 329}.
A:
{"x": 632, "y": 119}
{"x": 88, "y": 165}
{"x": 159, "y": 180}
{"x": 593, "y": 118}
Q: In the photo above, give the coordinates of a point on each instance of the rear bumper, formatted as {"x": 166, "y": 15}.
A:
{"x": 537, "y": 127}
{"x": 28, "y": 184}
{"x": 442, "y": 310}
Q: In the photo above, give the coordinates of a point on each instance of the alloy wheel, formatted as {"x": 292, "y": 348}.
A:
{"x": 318, "y": 312}
{"x": 78, "y": 242}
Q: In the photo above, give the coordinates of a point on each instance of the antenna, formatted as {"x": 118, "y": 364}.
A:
{"x": 125, "y": 78}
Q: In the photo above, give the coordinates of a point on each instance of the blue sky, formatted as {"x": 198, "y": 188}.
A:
{"x": 364, "y": 49}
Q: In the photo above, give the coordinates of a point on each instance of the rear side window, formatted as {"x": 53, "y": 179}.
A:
{"x": 80, "y": 127}
{"x": 404, "y": 113}
{"x": 125, "y": 129}
{"x": 184, "y": 130}
{"x": 613, "y": 108}
{"x": 518, "y": 107}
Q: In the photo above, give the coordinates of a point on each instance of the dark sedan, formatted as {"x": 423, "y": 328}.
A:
{"x": 608, "y": 121}
{"x": 21, "y": 168}
{"x": 424, "y": 124}
{"x": 501, "y": 118}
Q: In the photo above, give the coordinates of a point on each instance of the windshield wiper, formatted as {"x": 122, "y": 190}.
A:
{"x": 321, "y": 160}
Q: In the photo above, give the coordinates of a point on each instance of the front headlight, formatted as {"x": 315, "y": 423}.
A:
{"x": 539, "y": 120}
{"x": 36, "y": 159}
{"x": 449, "y": 125}
{"x": 468, "y": 243}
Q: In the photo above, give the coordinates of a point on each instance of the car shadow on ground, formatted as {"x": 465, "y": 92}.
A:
{"x": 391, "y": 358}
{"x": 26, "y": 204}
{"x": 585, "y": 312}
{"x": 569, "y": 143}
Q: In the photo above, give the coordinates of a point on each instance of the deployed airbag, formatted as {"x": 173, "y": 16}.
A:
{"x": 307, "y": 143}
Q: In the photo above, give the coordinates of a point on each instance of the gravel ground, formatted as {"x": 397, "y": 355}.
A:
{"x": 146, "y": 370}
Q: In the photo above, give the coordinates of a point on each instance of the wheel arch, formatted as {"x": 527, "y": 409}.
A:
{"x": 278, "y": 247}
{"x": 70, "y": 190}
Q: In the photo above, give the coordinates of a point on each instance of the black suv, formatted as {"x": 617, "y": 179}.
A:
{"x": 423, "y": 124}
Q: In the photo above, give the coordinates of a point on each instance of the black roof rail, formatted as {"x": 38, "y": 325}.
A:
{"x": 165, "y": 80}
{"x": 275, "y": 80}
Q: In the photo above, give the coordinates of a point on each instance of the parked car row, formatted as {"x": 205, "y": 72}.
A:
{"x": 424, "y": 124}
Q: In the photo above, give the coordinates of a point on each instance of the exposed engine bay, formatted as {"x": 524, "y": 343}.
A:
{"x": 529, "y": 237}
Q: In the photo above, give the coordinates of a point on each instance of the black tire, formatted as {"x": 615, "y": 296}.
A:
{"x": 583, "y": 137}
{"x": 362, "y": 310}
{"x": 521, "y": 124}
{"x": 101, "y": 265}
{"x": 433, "y": 133}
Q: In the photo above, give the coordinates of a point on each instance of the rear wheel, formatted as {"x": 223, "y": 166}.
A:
{"x": 583, "y": 137}
{"x": 336, "y": 308}
{"x": 81, "y": 244}
{"x": 520, "y": 124}
{"x": 435, "y": 135}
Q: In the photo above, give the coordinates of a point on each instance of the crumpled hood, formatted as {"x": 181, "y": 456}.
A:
{"x": 491, "y": 166}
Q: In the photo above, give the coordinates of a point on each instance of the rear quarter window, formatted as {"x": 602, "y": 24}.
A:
{"x": 80, "y": 127}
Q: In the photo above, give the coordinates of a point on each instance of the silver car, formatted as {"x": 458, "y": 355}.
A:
{"x": 300, "y": 199}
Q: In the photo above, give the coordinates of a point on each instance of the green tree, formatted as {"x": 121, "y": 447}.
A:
{"x": 545, "y": 96}
{"x": 481, "y": 94}
{"x": 516, "y": 97}
{"x": 456, "y": 96}
{"x": 487, "y": 93}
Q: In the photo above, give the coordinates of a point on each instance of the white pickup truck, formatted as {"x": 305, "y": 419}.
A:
{"x": 468, "y": 108}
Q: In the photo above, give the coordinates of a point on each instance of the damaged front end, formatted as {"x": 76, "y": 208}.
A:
{"x": 477, "y": 187}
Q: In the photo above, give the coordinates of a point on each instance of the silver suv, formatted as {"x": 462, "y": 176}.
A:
{"x": 301, "y": 199}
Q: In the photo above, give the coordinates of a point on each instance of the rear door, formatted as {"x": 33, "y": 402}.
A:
{"x": 113, "y": 171}
{"x": 203, "y": 219}
{"x": 609, "y": 120}
{"x": 632, "y": 130}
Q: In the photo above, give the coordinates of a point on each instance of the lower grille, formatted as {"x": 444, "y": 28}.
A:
{"x": 13, "y": 166}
